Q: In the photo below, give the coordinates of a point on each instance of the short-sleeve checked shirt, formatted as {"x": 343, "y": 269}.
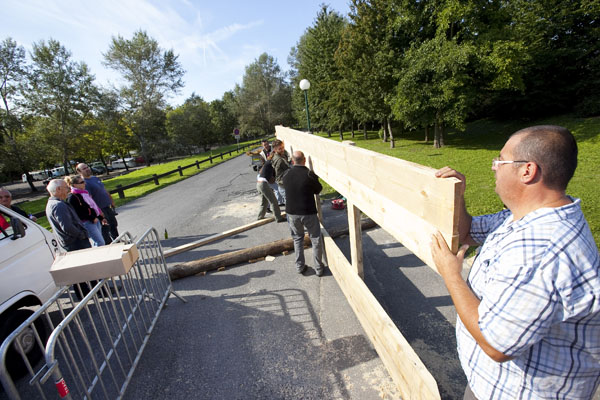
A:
{"x": 538, "y": 282}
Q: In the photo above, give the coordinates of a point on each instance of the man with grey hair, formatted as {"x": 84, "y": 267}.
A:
{"x": 6, "y": 201}
{"x": 301, "y": 185}
{"x": 63, "y": 219}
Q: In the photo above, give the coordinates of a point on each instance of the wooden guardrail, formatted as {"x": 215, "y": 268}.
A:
{"x": 410, "y": 203}
{"x": 120, "y": 189}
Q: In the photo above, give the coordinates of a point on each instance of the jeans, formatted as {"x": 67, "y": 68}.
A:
{"x": 95, "y": 232}
{"x": 275, "y": 188}
{"x": 267, "y": 197}
{"x": 109, "y": 232}
{"x": 311, "y": 222}
{"x": 281, "y": 191}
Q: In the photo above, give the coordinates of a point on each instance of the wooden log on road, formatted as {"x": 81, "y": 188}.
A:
{"x": 240, "y": 256}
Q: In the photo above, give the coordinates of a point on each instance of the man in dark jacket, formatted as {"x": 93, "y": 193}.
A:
{"x": 301, "y": 185}
{"x": 63, "y": 219}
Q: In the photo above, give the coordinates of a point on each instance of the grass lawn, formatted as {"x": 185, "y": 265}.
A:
{"x": 471, "y": 152}
{"x": 143, "y": 173}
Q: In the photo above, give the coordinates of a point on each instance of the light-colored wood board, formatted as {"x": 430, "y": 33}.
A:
{"x": 412, "y": 185}
{"x": 403, "y": 197}
{"x": 411, "y": 377}
{"x": 210, "y": 239}
{"x": 410, "y": 230}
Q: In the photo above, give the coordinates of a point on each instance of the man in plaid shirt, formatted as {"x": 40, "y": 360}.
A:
{"x": 529, "y": 314}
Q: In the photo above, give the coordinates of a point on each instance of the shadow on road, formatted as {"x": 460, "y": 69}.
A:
{"x": 390, "y": 272}
{"x": 254, "y": 346}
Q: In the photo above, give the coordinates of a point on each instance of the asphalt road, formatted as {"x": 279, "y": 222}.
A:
{"x": 262, "y": 331}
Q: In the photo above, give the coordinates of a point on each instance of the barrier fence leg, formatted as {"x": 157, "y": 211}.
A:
{"x": 61, "y": 385}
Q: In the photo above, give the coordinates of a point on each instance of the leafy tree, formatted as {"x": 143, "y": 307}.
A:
{"x": 313, "y": 59}
{"x": 62, "y": 93}
{"x": 190, "y": 126}
{"x": 223, "y": 118}
{"x": 563, "y": 41}
{"x": 368, "y": 56}
{"x": 434, "y": 88}
{"x": 264, "y": 99}
{"x": 151, "y": 75}
{"x": 15, "y": 146}
{"x": 106, "y": 133}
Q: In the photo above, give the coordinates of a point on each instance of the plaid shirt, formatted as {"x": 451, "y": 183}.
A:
{"x": 539, "y": 286}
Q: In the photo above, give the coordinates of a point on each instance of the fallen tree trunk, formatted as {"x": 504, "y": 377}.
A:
{"x": 239, "y": 256}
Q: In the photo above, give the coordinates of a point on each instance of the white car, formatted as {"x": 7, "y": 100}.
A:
{"x": 27, "y": 252}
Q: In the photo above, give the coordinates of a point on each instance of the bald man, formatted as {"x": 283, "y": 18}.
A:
{"x": 301, "y": 185}
{"x": 529, "y": 313}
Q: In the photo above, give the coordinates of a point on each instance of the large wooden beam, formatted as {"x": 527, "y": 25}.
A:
{"x": 404, "y": 198}
{"x": 244, "y": 255}
{"x": 406, "y": 369}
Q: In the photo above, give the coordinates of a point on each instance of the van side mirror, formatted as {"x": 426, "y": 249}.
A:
{"x": 18, "y": 228}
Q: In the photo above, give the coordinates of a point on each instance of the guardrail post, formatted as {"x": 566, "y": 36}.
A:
{"x": 180, "y": 170}
{"x": 221, "y": 155}
{"x": 120, "y": 191}
{"x": 210, "y": 158}
{"x": 197, "y": 164}
{"x": 155, "y": 179}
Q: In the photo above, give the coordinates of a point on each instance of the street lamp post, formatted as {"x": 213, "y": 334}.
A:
{"x": 305, "y": 85}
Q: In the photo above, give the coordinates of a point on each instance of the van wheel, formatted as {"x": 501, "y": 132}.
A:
{"x": 14, "y": 361}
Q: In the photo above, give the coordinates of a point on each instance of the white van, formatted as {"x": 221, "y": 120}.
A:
{"x": 36, "y": 176}
{"x": 27, "y": 252}
{"x": 57, "y": 172}
{"x": 120, "y": 164}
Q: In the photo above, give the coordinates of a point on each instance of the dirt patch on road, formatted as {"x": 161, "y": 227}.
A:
{"x": 238, "y": 209}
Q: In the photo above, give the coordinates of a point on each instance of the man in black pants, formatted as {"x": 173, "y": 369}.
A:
{"x": 301, "y": 185}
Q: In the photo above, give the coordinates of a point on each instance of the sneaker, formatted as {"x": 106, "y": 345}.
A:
{"x": 281, "y": 219}
{"x": 320, "y": 271}
{"x": 301, "y": 271}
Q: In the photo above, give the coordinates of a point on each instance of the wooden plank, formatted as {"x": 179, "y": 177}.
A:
{"x": 404, "y": 198}
{"x": 411, "y": 377}
{"x": 213, "y": 238}
{"x": 356, "y": 249}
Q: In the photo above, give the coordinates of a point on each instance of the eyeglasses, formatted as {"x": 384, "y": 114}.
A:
{"x": 496, "y": 162}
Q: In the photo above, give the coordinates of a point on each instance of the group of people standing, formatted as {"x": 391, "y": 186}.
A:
{"x": 296, "y": 185}
{"x": 81, "y": 211}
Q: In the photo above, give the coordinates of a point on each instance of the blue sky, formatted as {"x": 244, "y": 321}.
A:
{"x": 215, "y": 40}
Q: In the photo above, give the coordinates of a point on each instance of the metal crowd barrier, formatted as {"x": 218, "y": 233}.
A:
{"x": 95, "y": 344}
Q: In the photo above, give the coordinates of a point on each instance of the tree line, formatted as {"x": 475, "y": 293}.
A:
{"x": 435, "y": 64}
{"x": 393, "y": 65}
